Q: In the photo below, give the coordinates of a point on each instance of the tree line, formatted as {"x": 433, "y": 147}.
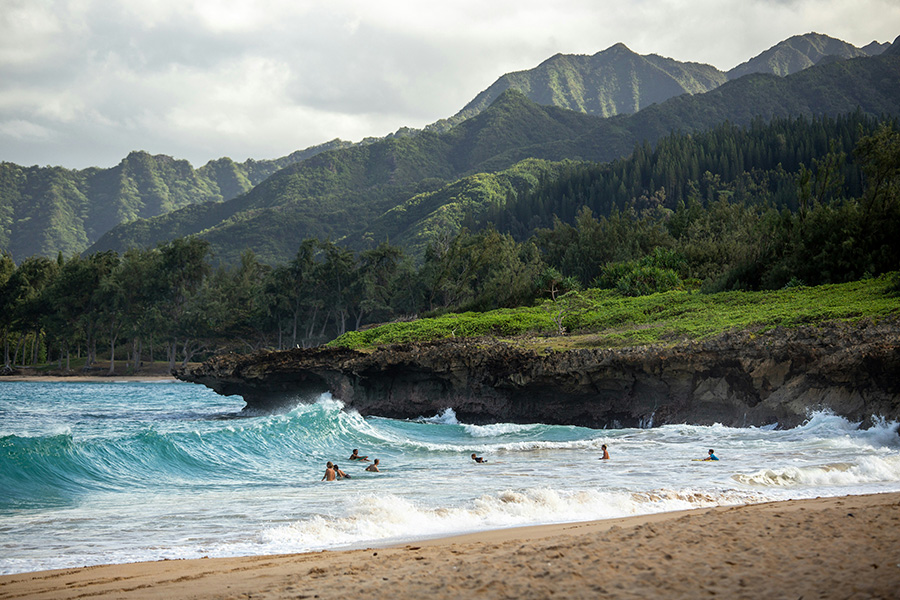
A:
{"x": 792, "y": 223}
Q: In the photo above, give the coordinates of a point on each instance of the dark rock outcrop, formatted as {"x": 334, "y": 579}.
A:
{"x": 739, "y": 379}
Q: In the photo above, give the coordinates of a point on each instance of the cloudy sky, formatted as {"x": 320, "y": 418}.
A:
{"x": 84, "y": 82}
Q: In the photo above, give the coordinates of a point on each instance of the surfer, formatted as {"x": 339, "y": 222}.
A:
{"x": 355, "y": 456}
{"x": 339, "y": 473}
{"x": 478, "y": 459}
{"x": 330, "y": 475}
{"x": 373, "y": 467}
{"x": 605, "y": 453}
{"x": 712, "y": 455}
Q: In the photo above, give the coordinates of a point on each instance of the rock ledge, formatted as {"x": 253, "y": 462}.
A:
{"x": 738, "y": 379}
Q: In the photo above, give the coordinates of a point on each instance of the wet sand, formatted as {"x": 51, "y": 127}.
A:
{"x": 846, "y": 547}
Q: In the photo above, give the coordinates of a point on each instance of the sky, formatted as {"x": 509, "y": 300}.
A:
{"x": 85, "y": 82}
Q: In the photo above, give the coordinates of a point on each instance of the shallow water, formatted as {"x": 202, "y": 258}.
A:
{"x": 94, "y": 473}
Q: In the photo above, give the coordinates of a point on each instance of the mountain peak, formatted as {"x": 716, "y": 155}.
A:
{"x": 619, "y": 47}
{"x": 795, "y": 54}
{"x": 894, "y": 49}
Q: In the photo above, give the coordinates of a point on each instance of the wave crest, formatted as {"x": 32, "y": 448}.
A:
{"x": 869, "y": 469}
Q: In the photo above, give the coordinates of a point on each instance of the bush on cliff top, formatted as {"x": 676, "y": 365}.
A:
{"x": 614, "y": 320}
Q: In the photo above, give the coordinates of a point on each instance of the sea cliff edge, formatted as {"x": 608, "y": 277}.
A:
{"x": 744, "y": 378}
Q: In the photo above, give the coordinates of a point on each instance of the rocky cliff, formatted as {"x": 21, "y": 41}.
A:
{"x": 739, "y": 379}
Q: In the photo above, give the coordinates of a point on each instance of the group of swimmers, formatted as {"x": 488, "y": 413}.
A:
{"x": 605, "y": 456}
{"x": 712, "y": 454}
{"x": 333, "y": 472}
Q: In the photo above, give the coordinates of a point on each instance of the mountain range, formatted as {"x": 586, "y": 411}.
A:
{"x": 413, "y": 185}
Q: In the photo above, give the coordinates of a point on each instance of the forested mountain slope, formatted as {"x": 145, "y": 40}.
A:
{"x": 618, "y": 81}
{"x": 350, "y": 192}
{"x": 47, "y": 210}
{"x": 801, "y": 52}
{"x": 611, "y": 82}
{"x": 339, "y": 192}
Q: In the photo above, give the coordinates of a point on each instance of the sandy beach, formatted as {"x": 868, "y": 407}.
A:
{"x": 86, "y": 378}
{"x": 98, "y": 376}
{"x": 845, "y": 547}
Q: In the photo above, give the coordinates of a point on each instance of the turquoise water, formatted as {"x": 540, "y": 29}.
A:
{"x": 94, "y": 473}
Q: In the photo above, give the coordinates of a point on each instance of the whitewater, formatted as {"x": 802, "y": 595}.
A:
{"x": 97, "y": 473}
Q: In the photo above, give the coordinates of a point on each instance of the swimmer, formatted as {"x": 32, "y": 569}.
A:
{"x": 605, "y": 453}
{"x": 711, "y": 456}
{"x": 356, "y": 456}
{"x": 330, "y": 475}
{"x": 478, "y": 459}
{"x": 373, "y": 467}
{"x": 339, "y": 473}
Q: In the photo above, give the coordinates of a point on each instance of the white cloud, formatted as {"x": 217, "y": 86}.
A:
{"x": 24, "y": 130}
{"x": 83, "y": 82}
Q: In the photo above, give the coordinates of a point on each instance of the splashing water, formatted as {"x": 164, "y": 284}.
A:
{"x": 107, "y": 473}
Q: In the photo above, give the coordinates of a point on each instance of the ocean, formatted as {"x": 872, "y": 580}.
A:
{"x": 97, "y": 473}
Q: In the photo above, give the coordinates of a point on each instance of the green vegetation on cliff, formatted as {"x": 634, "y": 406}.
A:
{"x": 604, "y": 318}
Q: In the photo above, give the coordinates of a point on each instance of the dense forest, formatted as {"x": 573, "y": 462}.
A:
{"x": 358, "y": 195}
{"x": 793, "y": 202}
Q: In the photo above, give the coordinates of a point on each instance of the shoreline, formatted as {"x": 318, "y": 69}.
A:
{"x": 88, "y": 378}
{"x": 835, "y": 547}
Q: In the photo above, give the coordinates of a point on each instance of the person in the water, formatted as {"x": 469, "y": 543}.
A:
{"x": 605, "y": 453}
{"x": 712, "y": 455}
{"x": 478, "y": 459}
{"x": 340, "y": 474}
{"x": 330, "y": 475}
{"x": 373, "y": 467}
{"x": 355, "y": 456}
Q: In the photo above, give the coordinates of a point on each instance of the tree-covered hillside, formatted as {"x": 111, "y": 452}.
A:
{"x": 800, "y": 52}
{"x": 758, "y": 164}
{"x": 355, "y": 193}
{"x": 734, "y": 231}
{"x": 47, "y": 210}
{"x": 340, "y": 192}
{"x": 611, "y": 82}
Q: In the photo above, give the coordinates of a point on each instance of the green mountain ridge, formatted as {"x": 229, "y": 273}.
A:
{"x": 618, "y": 81}
{"x": 46, "y": 210}
{"x": 801, "y": 52}
{"x": 611, "y": 82}
{"x": 338, "y": 192}
{"x": 355, "y": 193}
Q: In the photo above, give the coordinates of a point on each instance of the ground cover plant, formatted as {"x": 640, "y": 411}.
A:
{"x": 605, "y": 318}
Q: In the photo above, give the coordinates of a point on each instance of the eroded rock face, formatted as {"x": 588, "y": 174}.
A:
{"x": 737, "y": 379}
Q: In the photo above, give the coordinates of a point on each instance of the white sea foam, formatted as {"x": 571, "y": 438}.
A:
{"x": 498, "y": 429}
{"x": 386, "y": 518}
{"x": 866, "y": 470}
{"x": 445, "y": 417}
{"x": 87, "y": 501}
